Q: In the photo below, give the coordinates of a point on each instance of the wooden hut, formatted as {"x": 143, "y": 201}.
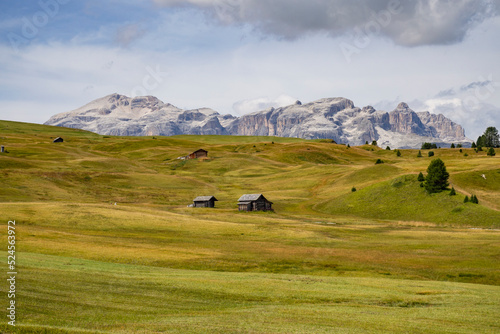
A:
{"x": 58, "y": 140}
{"x": 204, "y": 202}
{"x": 201, "y": 153}
{"x": 254, "y": 202}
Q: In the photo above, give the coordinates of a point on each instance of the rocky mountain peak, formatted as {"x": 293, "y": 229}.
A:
{"x": 330, "y": 118}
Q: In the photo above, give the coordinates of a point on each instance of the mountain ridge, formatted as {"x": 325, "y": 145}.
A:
{"x": 328, "y": 118}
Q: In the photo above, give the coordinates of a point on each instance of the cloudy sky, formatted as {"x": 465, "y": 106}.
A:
{"x": 239, "y": 56}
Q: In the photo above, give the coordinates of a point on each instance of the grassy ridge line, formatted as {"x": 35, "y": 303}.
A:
{"x": 129, "y": 298}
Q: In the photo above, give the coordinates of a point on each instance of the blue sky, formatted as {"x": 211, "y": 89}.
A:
{"x": 239, "y": 56}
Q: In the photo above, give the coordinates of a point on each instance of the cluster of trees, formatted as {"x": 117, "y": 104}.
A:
{"x": 490, "y": 138}
{"x": 429, "y": 146}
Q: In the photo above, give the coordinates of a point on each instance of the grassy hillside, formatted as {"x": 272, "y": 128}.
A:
{"x": 103, "y": 226}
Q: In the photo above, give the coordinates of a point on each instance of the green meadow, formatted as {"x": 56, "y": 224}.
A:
{"x": 106, "y": 242}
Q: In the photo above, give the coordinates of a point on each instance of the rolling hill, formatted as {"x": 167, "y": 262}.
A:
{"x": 106, "y": 242}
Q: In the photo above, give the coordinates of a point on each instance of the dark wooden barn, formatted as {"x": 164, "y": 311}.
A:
{"x": 254, "y": 202}
{"x": 58, "y": 140}
{"x": 198, "y": 154}
{"x": 204, "y": 202}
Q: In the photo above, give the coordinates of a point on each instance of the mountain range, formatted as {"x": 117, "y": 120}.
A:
{"x": 330, "y": 118}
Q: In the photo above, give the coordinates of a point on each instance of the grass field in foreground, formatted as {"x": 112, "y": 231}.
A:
{"x": 70, "y": 294}
{"x": 386, "y": 258}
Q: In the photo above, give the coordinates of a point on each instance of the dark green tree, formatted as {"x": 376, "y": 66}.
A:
{"x": 453, "y": 192}
{"x": 419, "y": 155}
{"x": 398, "y": 153}
{"x": 491, "y": 137}
{"x": 353, "y": 189}
{"x": 374, "y": 143}
{"x": 480, "y": 141}
{"x": 473, "y": 145}
{"x": 421, "y": 177}
{"x": 491, "y": 152}
{"x": 378, "y": 162}
{"x": 430, "y": 154}
{"x": 452, "y": 145}
{"x": 437, "y": 177}
{"x": 388, "y": 148}
{"x": 466, "y": 199}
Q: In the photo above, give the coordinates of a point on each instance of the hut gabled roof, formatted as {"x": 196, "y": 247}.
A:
{"x": 205, "y": 199}
{"x": 251, "y": 198}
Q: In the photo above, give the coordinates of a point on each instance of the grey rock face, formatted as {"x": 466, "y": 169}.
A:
{"x": 333, "y": 118}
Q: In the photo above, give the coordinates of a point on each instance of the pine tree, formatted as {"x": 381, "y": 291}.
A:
{"x": 378, "y": 162}
{"x": 491, "y": 152}
{"x": 388, "y": 148}
{"x": 374, "y": 143}
{"x": 453, "y": 192}
{"x": 452, "y": 145}
{"x": 421, "y": 177}
{"x": 398, "y": 153}
{"x": 466, "y": 199}
{"x": 437, "y": 177}
{"x": 419, "y": 155}
{"x": 473, "y": 145}
{"x": 491, "y": 137}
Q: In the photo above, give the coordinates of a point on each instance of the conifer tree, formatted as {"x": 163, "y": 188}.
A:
{"x": 453, "y": 192}
{"x": 466, "y": 199}
{"x": 437, "y": 177}
{"x": 419, "y": 155}
{"x": 421, "y": 177}
{"x": 491, "y": 152}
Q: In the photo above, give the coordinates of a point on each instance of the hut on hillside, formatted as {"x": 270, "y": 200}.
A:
{"x": 204, "y": 202}
{"x": 58, "y": 140}
{"x": 201, "y": 153}
{"x": 254, "y": 202}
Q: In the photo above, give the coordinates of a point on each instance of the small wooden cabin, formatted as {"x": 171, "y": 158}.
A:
{"x": 198, "y": 154}
{"x": 254, "y": 202}
{"x": 58, "y": 140}
{"x": 204, "y": 202}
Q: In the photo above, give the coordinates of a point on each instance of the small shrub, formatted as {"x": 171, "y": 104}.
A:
{"x": 419, "y": 155}
{"x": 378, "y": 162}
{"x": 461, "y": 150}
{"x": 348, "y": 146}
{"x": 353, "y": 189}
{"x": 466, "y": 155}
{"x": 479, "y": 149}
{"x": 430, "y": 154}
{"x": 459, "y": 146}
{"x": 491, "y": 152}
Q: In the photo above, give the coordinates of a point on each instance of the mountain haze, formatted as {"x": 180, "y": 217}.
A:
{"x": 333, "y": 118}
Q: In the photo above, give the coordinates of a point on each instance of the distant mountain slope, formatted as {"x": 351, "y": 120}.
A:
{"x": 334, "y": 118}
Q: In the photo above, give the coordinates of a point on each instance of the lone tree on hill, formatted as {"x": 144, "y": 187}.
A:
{"x": 419, "y": 155}
{"x": 491, "y": 152}
{"x": 437, "y": 177}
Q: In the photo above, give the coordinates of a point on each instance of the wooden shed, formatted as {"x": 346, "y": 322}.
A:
{"x": 201, "y": 153}
{"x": 204, "y": 202}
{"x": 58, "y": 140}
{"x": 254, "y": 202}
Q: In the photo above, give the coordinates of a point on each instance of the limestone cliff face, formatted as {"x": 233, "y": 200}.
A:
{"x": 333, "y": 118}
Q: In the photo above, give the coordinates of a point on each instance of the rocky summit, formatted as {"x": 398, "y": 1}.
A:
{"x": 330, "y": 118}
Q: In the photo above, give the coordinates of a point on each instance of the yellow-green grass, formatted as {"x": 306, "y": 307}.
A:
{"x": 223, "y": 262}
{"x": 66, "y": 294}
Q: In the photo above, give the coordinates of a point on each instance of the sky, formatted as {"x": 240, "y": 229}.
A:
{"x": 241, "y": 56}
